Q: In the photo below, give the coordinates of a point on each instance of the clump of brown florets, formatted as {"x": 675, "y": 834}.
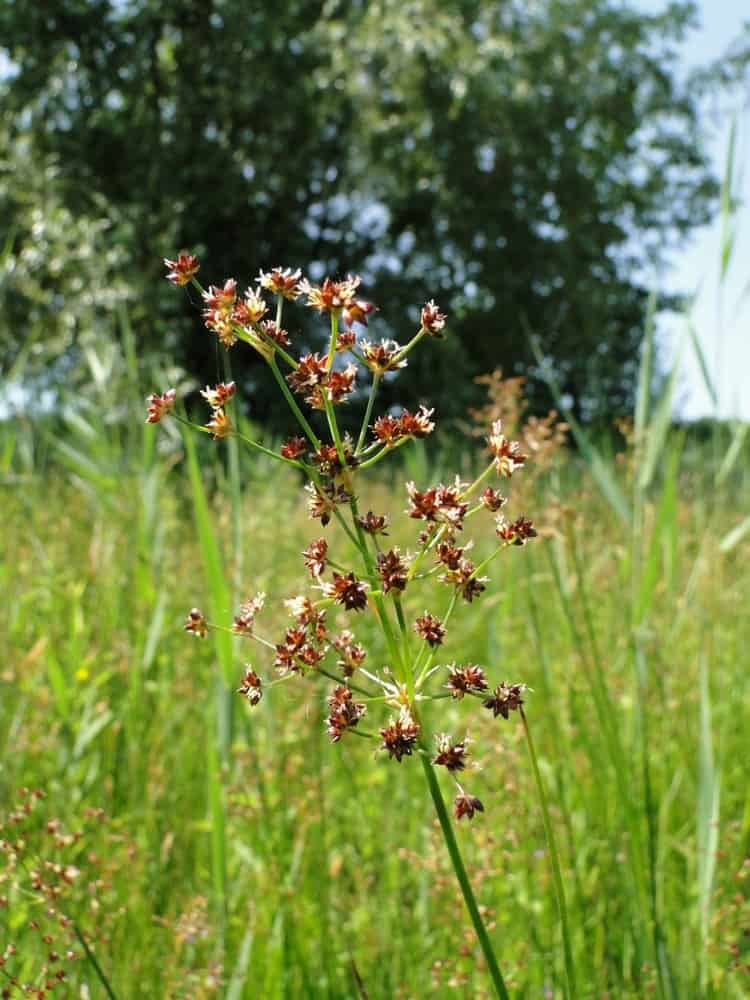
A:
{"x": 392, "y": 570}
{"x": 505, "y": 698}
{"x": 430, "y": 628}
{"x": 251, "y": 686}
{"x": 449, "y": 754}
{"x": 351, "y": 653}
{"x": 347, "y": 590}
{"x": 344, "y": 712}
{"x": 464, "y": 680}
{"x": 160, "y": 405}
{"x": 196, "y": 623}
{"x": 400, "y": 736}
{"x": 183, "y": 270}
{"x": 466, "y": 805}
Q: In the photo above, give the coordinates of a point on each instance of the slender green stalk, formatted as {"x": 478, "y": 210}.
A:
{"x": 94, "y": 964}
{"x": 463, "y": 879}
{"x": 570, "y": 981}
{"x": 301, "y": 420}
{"x": 368, "y": 412}
{"x": 267, "y": 451}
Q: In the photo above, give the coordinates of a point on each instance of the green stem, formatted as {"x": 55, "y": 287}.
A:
{"x": 368, "y": 412}
{"x": 309, "y": 432}
{"x": 411, "y": 345}
{"x": 267, "y": 451}
{"x": 463, "y": 879}
{"x": 93, "y": 962}
{"x": 334, "y": 338}
{"x": 570, "y": 981}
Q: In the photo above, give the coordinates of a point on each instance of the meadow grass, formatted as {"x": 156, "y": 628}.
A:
{"x": 242, "y": 855}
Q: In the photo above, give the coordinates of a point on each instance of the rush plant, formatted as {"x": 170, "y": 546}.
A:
{"x": 381, "y": 703}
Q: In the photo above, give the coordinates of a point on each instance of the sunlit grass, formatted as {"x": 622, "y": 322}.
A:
{"x": 242, "y": 848}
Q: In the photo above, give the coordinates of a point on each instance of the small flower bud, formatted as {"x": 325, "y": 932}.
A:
{"x": 251, "y": 686}
{"x": 219, "y": 395}
{"x": 433, "y": 320}
{"x": 466, "y": 805}
{"x": 196, "y": 623}
{"x": 430, "y": 629}
{"x": 182, "y": 270}
{"x": 506, "y": 698}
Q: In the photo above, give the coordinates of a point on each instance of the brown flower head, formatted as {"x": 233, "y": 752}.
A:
{"x": 357, "y": 312}
{"x": 439, "y": 503}
{"x": 450, "y": 554}
{"x": 322, "y": 503}
{"x": 315, "y": 556}
{"x": 516, "y": 532}
{"x": 347, "y": 590}
{"x": 506, "y": 698}
{"x": 433, "y": 320}
{"x": 351, "y": 653}
{"x": 430, "y": 629}
{"x": 196, "y": 623}
{"x": 340, "y": 385}
{"x": 220, "y": 300}
{"x": 219, "y": 395}
{"x": 345, "y": 341}
{"x": 294, "y": 447}
{"x": 311, "y": 618}
{"x": 345, "y": 712}
{"x": 392, "y": 570}
{"x": 219, "y": 309}
{"x": 382, "y": 357}
{"x": 449, "y": 754}
{"x": 468, "y": 679}
{"x": 311, "y": 372}
{"x": 251, "y": 309}
{"x": 219, "y": 424}
{"x": 387, "y": 429}
{"x": 466, "y": 805}
{"x": 281, "y": 281}
{"x": 492, "y": 499}
{"x": 160, "y": 406}
{"x": 417, "y": 425}
{"x": 244, "y": 622}
{"x": 373, "y": 524}
{"x": 331, "y": 296}
{"x": 182, "y": 270}
{"x": 251, "y": 686}
{"x": 400, "y": 736}
{"x": 272, "y": 331}
{"x": 463, "y": 579}
{"x": 508, "y": 455}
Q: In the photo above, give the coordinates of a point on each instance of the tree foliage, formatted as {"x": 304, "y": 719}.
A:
{"x": 525, "y": 163}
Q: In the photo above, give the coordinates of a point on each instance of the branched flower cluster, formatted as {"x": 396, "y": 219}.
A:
{"x": 384, "y": 579}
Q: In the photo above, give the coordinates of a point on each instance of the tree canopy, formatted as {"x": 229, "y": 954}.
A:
{"x": 523, "y": 163}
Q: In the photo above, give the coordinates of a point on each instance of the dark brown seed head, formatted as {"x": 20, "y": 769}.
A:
{"x": 516, "y": 532}
{"x": 345, "y": 712}
{"x": 348, "y": 591}
{"x": 449, "y": 754}
{"x": 251, "y": 686}
{"x": 430, "y": 628}
{"x": 506, "y": 698}
{"x": 465, "y": 680}
{"x": 351, "y": 653}
{"x": 493, "y": 500}
{"x": 315, "y": 556}
{"x": 294, "y": 447}
{"x": 373, "y": 524}
{"x": 392, "y": 570}
{"x": 400, "y": 736}
{"x": 466, "y": 805}
{"x": 196, "y": 623}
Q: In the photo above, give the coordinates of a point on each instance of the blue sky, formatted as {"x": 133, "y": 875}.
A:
{"x": 720, "y": 317}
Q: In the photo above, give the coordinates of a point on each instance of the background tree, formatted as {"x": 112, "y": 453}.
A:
{"x": 522, "y": 163}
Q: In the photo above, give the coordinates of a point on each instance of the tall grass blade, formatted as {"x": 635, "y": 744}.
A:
{"x": 709, "y": 784}
{"x": 600, "y": 469}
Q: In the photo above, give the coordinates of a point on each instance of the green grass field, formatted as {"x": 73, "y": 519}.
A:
{"x": 233, "y": 851}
